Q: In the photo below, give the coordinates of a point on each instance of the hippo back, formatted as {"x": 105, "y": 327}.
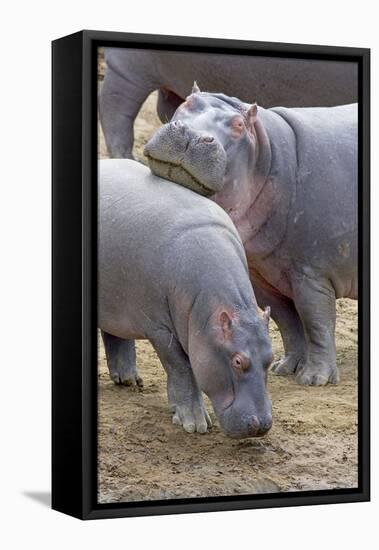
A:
{"x": 153, "y": 235}
{"x": 268, "y": 80}
{"x": 144, "y": 204}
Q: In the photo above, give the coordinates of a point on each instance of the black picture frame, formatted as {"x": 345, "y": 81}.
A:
{"x": 74, "y": 342}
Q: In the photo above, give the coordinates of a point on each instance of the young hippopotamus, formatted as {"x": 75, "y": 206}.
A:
{"x": 288, "y": 180}
{"x": 172, "y": 269}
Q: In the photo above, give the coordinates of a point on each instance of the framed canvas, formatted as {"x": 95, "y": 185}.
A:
{"x": 210, "y": 275}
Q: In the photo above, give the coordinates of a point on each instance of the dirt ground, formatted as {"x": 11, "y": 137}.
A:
{"x": 143, "y": 456}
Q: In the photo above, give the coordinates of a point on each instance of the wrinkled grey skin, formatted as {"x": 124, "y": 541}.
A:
{"x": 290, "y": 187}
{"x": 182, "y": 282}
{"x": 131, "y": 75}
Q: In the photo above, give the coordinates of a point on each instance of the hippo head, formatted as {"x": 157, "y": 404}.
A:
{"x": 208, "y": 145}
{"x": 230, "y": 357}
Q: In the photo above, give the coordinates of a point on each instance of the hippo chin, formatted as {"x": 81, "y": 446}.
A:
{"x": 181, "y": 281}
{"x": 290, "y": 186}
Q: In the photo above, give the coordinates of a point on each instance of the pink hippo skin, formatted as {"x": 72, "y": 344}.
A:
{"x": 290, "y": 186}
{"x": 131, "y": 75}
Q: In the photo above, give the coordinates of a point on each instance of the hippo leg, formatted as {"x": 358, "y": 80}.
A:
{"x": 184, "y": 396}
{"x": 284, "y": 313}
{"x": 119, "y": 103}
{"x": 121, "y": 360}
{"x": 316, "y": 303}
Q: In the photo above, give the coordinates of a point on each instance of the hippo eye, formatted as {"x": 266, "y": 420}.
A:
{"x": 237, "y": 126}
{"x": 239, "y": 362}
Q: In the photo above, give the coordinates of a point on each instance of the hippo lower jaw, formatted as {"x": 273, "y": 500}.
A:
{"x": 178, "y": 174}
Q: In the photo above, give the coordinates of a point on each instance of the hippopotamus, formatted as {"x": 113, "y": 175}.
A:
{"x": 289, "y": 183}
{"x": 172, "y": 269}
{"x": 132, "y": 74}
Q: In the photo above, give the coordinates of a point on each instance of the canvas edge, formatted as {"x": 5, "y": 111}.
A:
{"x": 83, "y": 502}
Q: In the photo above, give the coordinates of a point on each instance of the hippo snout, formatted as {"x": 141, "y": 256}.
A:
{"x": 194, "y": 159}
{"x": 242, "y": 425}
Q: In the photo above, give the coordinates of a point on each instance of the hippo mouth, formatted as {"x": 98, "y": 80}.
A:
{"x": 178, "y": 174}
{"x": 194, "y": 160}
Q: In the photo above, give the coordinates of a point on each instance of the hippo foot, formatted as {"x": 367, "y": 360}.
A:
{"x": 287, "y": 365}
{"x": 193, "y": 419}
{"x": 310, "y": 374}
{"x": 127, "y": 379}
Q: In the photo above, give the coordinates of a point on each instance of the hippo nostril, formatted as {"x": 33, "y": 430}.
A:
{"x": 265, "y": 426}
{"x": 178, "y": 125}
{"x": 254, "y": 424}
{"x": 208, "y": 139}
{"x": 258, "y": 428}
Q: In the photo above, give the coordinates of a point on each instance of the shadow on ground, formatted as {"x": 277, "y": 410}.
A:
{"x": 42, "y": 497}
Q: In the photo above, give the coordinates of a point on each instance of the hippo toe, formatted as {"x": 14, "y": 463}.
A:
{"x": 287, "y": 365}
{"x": 193, "y": 419}
{"x": 309, "y": 374}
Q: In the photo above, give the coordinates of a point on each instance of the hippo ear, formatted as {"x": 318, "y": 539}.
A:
{"x": 195, "y": 88}
{"x": 251, "y": 116}
{"x": 266, "y": 315}
{"x": 226, "y": 324}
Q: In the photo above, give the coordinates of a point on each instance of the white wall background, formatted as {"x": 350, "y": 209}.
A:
{"x": 27, "y": 29}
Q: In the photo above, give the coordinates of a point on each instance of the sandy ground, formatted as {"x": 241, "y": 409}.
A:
{"x": 143, "y": 456}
